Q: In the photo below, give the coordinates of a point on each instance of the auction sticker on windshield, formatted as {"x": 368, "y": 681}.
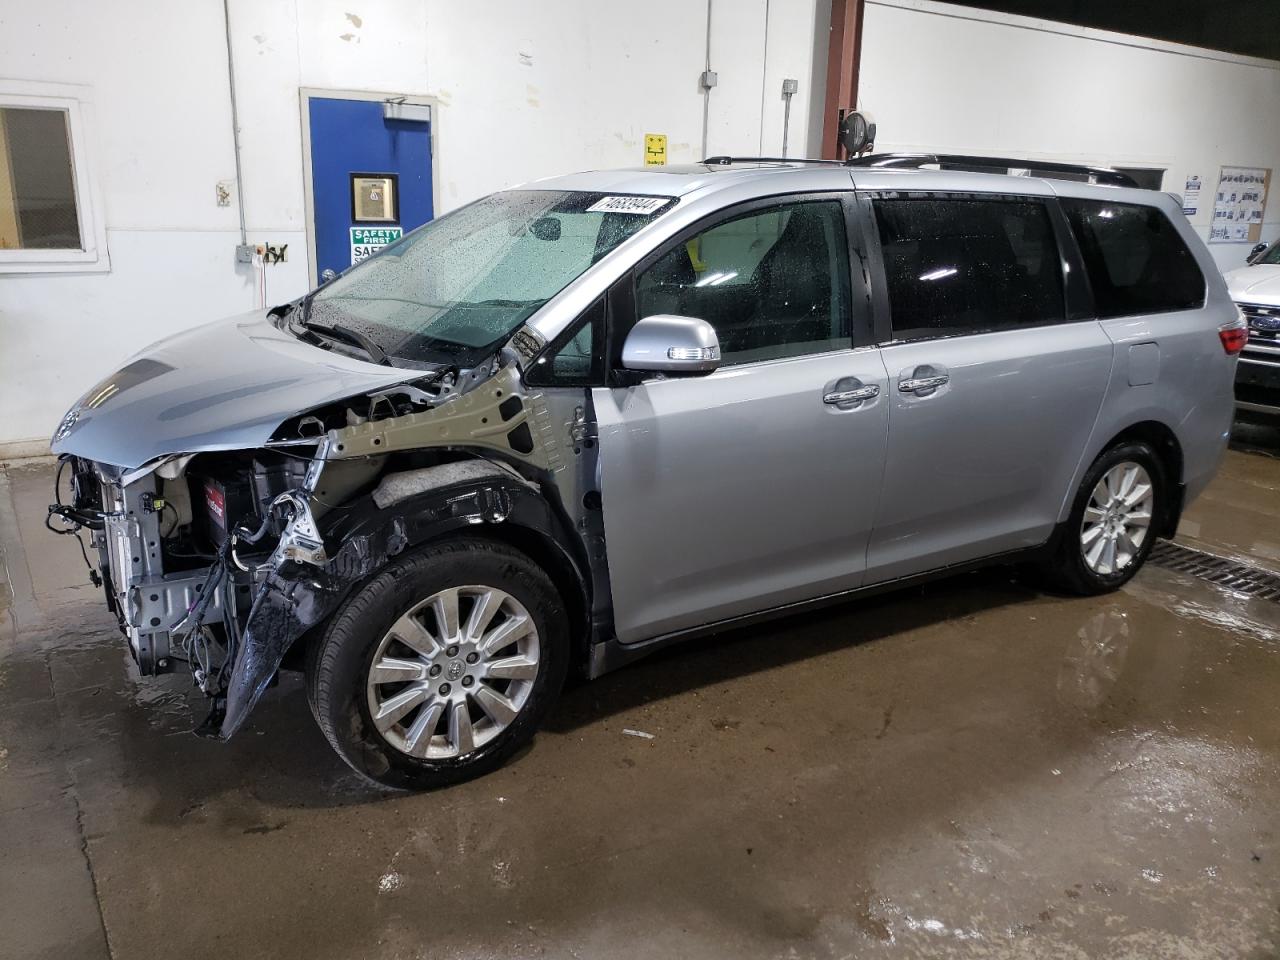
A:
{"x": 640, "y": 205}
{"x": 366, "y": 241}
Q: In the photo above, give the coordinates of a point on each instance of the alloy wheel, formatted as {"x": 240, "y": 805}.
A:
{"x": 453, "y": 672}
{"x": 1117, "y": 518}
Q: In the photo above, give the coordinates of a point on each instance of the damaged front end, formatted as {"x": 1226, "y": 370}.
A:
{"x": 240, "y": 479}
{"x": 187, "y": 551}
{"x": 220, "y": 561}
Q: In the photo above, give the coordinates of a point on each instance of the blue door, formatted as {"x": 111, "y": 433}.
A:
{"x": 370, "y": 179}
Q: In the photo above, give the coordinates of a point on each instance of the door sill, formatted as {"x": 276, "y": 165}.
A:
{"x": 613, "y": 653}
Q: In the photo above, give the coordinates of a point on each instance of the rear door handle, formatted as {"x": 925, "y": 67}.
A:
{"x": 913, "y": 384}
{"x": 857, "y": 395}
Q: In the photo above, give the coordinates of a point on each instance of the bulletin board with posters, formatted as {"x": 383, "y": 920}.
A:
{"x": 1239, "y": 205}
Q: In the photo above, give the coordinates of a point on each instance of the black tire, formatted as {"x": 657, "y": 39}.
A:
{"x": 1066, "y": 569}
{"x": 339, "y": 661}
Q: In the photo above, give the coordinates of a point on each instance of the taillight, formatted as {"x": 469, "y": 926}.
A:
{"x": 1234, "y": 336}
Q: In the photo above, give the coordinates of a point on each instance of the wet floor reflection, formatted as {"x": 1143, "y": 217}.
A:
{"x": 1239, "y": 515}
{"x": 967, "y": 769}
{"x": 1094, "y": 659}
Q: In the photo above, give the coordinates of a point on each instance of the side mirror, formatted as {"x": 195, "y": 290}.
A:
{"x": 672, "y": 344}
{"x": 1256, "y": 252}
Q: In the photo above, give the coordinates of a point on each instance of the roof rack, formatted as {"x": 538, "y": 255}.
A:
{"x": 726, "y": 161}
{"x": 953, "y": 161}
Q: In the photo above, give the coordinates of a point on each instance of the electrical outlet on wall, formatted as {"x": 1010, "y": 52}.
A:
{"x": 273, "y": 252}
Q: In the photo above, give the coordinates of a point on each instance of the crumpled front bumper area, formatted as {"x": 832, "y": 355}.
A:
{"x": 294, "y": 597}
{"x": 123, "y": 523}
{"x": 160, "y": 611}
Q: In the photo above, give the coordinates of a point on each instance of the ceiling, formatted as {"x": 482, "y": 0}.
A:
{"x": 1250, "y": 27}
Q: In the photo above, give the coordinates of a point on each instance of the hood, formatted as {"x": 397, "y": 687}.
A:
{"x": 1259, "y": 283}
{"x": 223, "y": 386}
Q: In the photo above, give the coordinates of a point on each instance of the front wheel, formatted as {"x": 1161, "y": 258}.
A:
{"x": 1111, "y": 529}
{"x": 440, "y": 667}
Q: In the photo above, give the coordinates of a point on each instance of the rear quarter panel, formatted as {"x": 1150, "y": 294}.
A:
{"x": 1187, "y": 383}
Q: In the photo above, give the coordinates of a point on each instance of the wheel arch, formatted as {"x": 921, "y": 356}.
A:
{"x": 296, "y": 599}
{"x": 1164, "y": 442}
{"x": 510, "y": 512}
{"x": 547, "y": 552}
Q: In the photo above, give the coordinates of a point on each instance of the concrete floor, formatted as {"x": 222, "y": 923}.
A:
{"x": 971, "y": 769}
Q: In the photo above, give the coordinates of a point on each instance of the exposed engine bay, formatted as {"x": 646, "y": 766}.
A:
{"x": 217, "y": 562}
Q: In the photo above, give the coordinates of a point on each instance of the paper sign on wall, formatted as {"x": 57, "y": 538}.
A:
{"x": 1191, "y": 195}
{"x": 366, "y": 241}
{"x": 655, "y": 149}
{"x": 1239, "y": 204}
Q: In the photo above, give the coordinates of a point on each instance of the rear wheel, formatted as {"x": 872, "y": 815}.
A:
{"x": 1112, "y": 525}
{"x": 440, "y": 667}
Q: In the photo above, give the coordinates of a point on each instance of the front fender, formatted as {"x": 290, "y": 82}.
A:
{"x": 297, "y": 596}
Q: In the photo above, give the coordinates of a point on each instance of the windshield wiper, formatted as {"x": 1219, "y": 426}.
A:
{"x": 499, "y": 302}
{"x": 338, "y": 332}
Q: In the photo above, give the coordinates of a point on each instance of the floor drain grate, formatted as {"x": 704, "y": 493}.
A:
{"x": 1232, "y": 574}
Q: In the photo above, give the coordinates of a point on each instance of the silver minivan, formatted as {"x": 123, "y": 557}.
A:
{"x": 572, "y": 423}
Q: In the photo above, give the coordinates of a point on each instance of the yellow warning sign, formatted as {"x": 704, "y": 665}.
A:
{"x": 655, "y": 149}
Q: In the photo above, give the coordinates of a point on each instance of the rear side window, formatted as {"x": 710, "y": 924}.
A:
{"x": 1136, "y": 261}
{"x": 957, "y": 266}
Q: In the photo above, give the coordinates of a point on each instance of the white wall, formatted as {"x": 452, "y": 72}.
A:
{"x": 941, "y": 77}
{"x": 526, "y": 90}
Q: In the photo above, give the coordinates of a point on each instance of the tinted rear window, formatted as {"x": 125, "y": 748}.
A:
{"x": 1137, "y": 262}
{"x": 959, "y": 266}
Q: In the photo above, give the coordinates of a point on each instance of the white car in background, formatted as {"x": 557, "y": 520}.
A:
{"x": 1256, "y": 290}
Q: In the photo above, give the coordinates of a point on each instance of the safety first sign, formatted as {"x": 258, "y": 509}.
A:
{"x": 655, "y": 149}
{"x": 366, "y": 241}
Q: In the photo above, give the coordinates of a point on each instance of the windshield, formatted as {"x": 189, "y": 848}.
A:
{"x": 454, "y": 289}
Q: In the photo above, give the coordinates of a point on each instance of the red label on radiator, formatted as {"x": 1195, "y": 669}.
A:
{"x": 217, "y": 504}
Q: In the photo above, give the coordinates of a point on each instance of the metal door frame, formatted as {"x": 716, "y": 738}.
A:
{"x": 304, "y": 98}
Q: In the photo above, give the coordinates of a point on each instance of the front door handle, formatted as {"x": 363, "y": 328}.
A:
{"x": 913, "y": 384}
{"x": 857, "y": 395}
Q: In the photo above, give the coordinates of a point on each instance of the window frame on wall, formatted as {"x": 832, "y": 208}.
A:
{"x": 76, "y": 101}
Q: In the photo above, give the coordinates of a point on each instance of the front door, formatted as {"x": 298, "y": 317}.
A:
{"x": 754, "y": 486}
{"x": 993, "y": 392}
{"x": 370, "y": 176}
